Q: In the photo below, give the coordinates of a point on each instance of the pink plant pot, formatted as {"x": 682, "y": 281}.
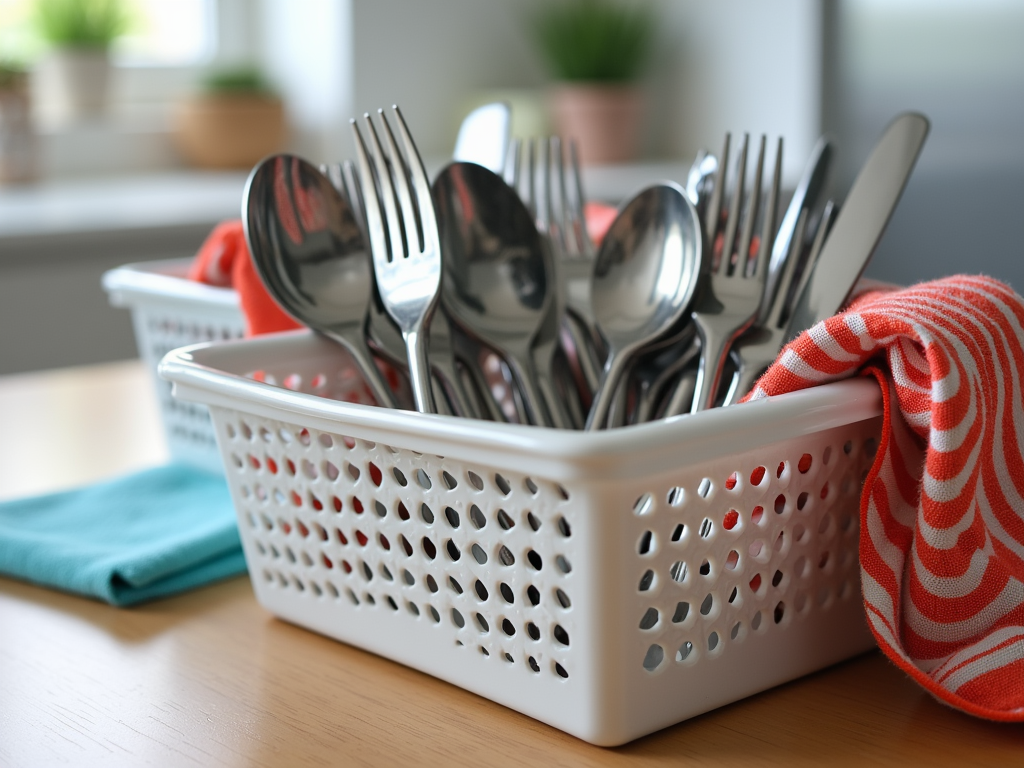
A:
{"x": 605, "y": 120}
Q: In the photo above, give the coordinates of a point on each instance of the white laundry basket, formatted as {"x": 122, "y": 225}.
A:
{"x": 170, "y": 311}
{"x": 609, "y": 584}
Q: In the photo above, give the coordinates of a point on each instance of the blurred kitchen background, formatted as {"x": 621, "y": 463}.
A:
{"x": 144, "y": 171}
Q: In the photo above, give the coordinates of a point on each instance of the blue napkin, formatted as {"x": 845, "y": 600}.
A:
{"x": 141, "y": 536}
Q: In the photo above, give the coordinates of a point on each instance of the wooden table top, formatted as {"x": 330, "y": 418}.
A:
{"x": 209, "y": 678}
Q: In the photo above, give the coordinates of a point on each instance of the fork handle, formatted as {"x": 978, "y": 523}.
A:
{"x": 419, "y": 370}
{"x": 714, "y": 348}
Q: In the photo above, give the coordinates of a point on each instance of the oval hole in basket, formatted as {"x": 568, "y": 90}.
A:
{"x": 506, "y": 593}
{"x": 452, "y": 517}
{"x": 655, "y": 655}
{"x": 477, "y": 517}
{"x": 532, "y": 631}
{"x": 375, "y": 474}
{"x": 504, "y": 520}
{"x": 533, "y": 595}
{"x": 454, "y": 584}
{"x": 457, "y": 618}
{"x": 678, "y": 571}
{"x": 649, "y": 619}
{"x": 644, "y": 505}
{"x": 681, "y": 612}
{"x": 453, "y": 551}
{"x": 676, "y": 497}
{"x": 646, "y": 580}
{"x": 481, "y": 590}
{"x": 450, "y": 482}
{"x": 426, "y": 514}
{"x": 475, "y": 480}
{"x": 428, "y": 548}
{"x": 563, "y": 599}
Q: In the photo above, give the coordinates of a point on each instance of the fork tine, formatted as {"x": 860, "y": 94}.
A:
{"x": 711, "y": 223}
{"x": 543, "y": 213}
{"x": 752, "y": 209}
{"x": 353, "y": 192}
{"x": 371, "y": 199}
{"x": 577, "y": 218}
{"x": 511, "y": 174}
{"x": 386, "y": 191}
{"x": 764, "y": 249}
{"x": 556, "y": 195}
{"x": 420, "y": 185}
{"x": 400, "y": 177}
{"x": 734, "y": 211}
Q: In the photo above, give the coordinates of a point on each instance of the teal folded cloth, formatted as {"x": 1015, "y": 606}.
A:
{"x": 141, "y": 536}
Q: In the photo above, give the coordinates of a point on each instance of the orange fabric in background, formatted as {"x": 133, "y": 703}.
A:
{"x": 223, "y": 260}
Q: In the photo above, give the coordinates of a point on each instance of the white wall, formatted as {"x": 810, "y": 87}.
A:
{"x": 739, "y": 65}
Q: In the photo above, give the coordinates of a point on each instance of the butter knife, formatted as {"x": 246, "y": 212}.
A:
{"x": 861, "y": 222}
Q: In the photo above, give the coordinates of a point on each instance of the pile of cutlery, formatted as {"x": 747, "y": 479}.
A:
{"x": 482, "y": 295}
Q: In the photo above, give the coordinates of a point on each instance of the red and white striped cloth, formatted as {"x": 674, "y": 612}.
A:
{"x": 942, "y": 511}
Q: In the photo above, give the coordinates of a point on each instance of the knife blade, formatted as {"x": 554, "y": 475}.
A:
{"x": 861, "y": 222}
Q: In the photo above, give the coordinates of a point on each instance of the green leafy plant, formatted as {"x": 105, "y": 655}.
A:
{"x": 81, "y": 23}
{"x": 594, "y": 40}
{"x": 12, "y": 75}
{"x": 248, "y": 80}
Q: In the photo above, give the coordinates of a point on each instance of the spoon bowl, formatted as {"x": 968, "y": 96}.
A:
{"x": 309, "y": 251}
{"x": 498, "y": 277}
{"x": 645, "y": 277}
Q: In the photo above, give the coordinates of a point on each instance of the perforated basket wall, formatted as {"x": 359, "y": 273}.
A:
{"x": 169, "y": 311}
{"x": 608, "y": 584}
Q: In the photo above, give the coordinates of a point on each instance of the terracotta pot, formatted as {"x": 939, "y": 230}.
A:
{"x": 75, "y": 82}
{"x": 605, "y": 120}
{"x": 229, "y": 130}
{"x": 17, "y": 139}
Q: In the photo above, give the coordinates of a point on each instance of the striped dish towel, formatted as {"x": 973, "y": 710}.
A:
{"x": 942, "y": 510}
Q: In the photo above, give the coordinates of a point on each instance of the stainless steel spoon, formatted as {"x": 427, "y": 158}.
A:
{"x": 497, "y": 282}
{"x": 645, "y": 276}
{"x": 308, "y": 249}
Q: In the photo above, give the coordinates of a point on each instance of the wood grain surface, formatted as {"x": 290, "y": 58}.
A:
{"x": 211, "y": 679}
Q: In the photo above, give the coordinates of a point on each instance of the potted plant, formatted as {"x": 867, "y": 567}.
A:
{"x": 76, "y": 72}
{"x": 595, "y": 51}
{"x": 233, "y": 122}
{"x": 17, "y": 141}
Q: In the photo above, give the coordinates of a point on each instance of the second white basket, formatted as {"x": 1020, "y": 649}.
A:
{"x": 171, "y": 311}
{"x": 609, "y": 584}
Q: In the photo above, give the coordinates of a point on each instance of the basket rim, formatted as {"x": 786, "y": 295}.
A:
{"x": 214, "y": 374}
{"x": 164, "y": 279}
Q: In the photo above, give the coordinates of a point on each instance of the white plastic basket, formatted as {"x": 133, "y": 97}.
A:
{"x": 609, "y": 584}
{"x": 170, "y": 311}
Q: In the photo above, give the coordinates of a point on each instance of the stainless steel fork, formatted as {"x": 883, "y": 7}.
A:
{"x": 404, "y": 241}
{"x": 732, "y": 293}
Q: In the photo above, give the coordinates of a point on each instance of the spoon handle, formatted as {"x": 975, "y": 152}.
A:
{"x": 354, "y": 341}
{"x": 529, "y": 388}
{"x": 558, "y": 413}
{"x": 614, "y": 367}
